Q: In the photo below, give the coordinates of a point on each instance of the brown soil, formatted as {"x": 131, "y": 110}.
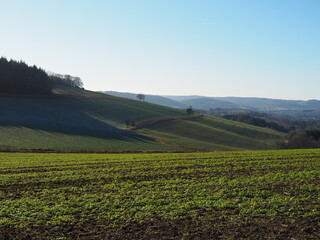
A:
{"x": 205, "y": 225}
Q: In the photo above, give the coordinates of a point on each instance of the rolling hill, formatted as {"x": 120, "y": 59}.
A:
{"x": 207, "y": 103}
{"x": 74, "y": 119}
{"x": 272, "y": 104}
{"x": 249, "y": 103}
{"x": 210, "y": 133}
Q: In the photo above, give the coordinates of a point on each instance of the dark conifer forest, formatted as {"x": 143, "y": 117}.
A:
{"x": 19, "y": 78}
{"x": 16, "y": 77}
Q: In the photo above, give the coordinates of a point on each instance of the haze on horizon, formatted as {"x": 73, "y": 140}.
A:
{"x": 245, "y": 48}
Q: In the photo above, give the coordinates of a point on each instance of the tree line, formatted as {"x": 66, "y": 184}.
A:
{"x": 260, "y": 122}
{"x": 16, "y": 77}
{"x": 66, "y": 80}
{"x": 302, "y": 139}
{"x": 19, "y": 78}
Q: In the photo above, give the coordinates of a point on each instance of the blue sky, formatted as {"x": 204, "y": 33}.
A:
{"x": 249, "y": 48}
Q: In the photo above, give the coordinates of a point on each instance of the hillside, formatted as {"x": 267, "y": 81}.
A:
{"x": 210, "y": 133}
{"x": 77, "y": 119}
{"x": 73, "y": 118}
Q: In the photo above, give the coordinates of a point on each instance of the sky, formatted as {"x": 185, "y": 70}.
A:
{"x": 243, "y": 48}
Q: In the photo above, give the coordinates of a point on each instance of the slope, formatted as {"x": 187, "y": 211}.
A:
{"x": 76, "y": 119}
{"x": 210, "y": 133}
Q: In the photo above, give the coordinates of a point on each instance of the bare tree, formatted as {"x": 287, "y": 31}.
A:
{"x": 66, "y": 80}
{"x": 141, "y": 96}
{"x": 189, "y": 110}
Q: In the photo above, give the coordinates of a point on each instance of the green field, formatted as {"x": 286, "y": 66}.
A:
{"x": 226, "y": 195}
{"x": 79, "y": 120}
{"x": 22, "y": 138}
{"x": 210, "y": 133}
{"x": 75, "y": 119}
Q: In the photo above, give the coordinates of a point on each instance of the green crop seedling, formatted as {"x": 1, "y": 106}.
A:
{"x": 102, "y": 193}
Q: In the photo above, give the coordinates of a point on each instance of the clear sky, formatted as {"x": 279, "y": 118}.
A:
{"x": 256, "y": 48}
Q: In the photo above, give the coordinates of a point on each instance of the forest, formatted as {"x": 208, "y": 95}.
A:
{"x": 19, "y": 78}
{"x": 16, "y": 77}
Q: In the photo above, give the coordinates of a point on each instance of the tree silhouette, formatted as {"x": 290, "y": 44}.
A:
{"x": 141, "y": 96}
{"x": 19, "y": 78}
{"x": 189, "y": 110}
{"x": 66, "y": 80}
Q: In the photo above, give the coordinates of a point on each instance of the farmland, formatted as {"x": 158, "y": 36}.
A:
{"x": 214, "y": 134}
{"x": 79, "y": 120}
{"x": 76, "y": 119}
{"x": 224, "y": 195}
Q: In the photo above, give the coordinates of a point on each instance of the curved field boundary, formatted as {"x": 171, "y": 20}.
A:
{"x": 162, "y": 120}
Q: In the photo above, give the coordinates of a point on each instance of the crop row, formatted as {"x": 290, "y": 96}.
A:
{"x": 60, "y": 189}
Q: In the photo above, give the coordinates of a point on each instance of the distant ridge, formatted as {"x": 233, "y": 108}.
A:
{"x": 155, "y": 99}
{"x": 273, "y": 104}
{"x": 207, "y": 103}
{"x": 249, "y": 103}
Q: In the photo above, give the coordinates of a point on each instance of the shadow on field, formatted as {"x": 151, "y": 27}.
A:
{"x": 60, "y": 115}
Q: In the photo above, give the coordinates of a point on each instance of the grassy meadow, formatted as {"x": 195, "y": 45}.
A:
{"x": 224, "y": 195}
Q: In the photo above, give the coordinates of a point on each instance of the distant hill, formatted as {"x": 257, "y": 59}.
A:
{"x": 155, "y": 99}
{"x": 272, "y": 104}
{"x": 182, "y": 98}
{"x": 209, "y": 103}
{"x": 249, "y": 103}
